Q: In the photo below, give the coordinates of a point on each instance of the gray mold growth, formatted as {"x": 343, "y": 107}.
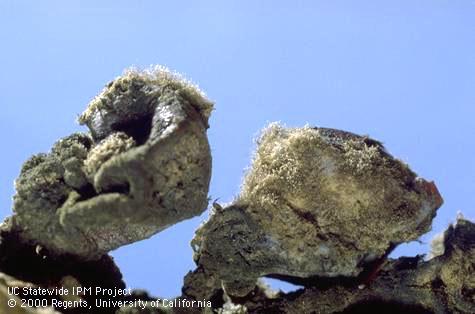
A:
{"x": 146, "y": 165}
{"x": 316, "y": 202}
{"x": 319, "y": 207}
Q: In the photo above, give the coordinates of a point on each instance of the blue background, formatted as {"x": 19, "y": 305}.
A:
{"x": 402, "y": 72}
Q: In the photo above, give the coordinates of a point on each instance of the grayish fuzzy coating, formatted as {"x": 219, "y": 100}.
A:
{"x": 146, "y": 166}
{"x": 111, "y": 146}
{"x": 136, "y": 93}
{"x": 316, "y": 202}
{"x": 437, "y": 245}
